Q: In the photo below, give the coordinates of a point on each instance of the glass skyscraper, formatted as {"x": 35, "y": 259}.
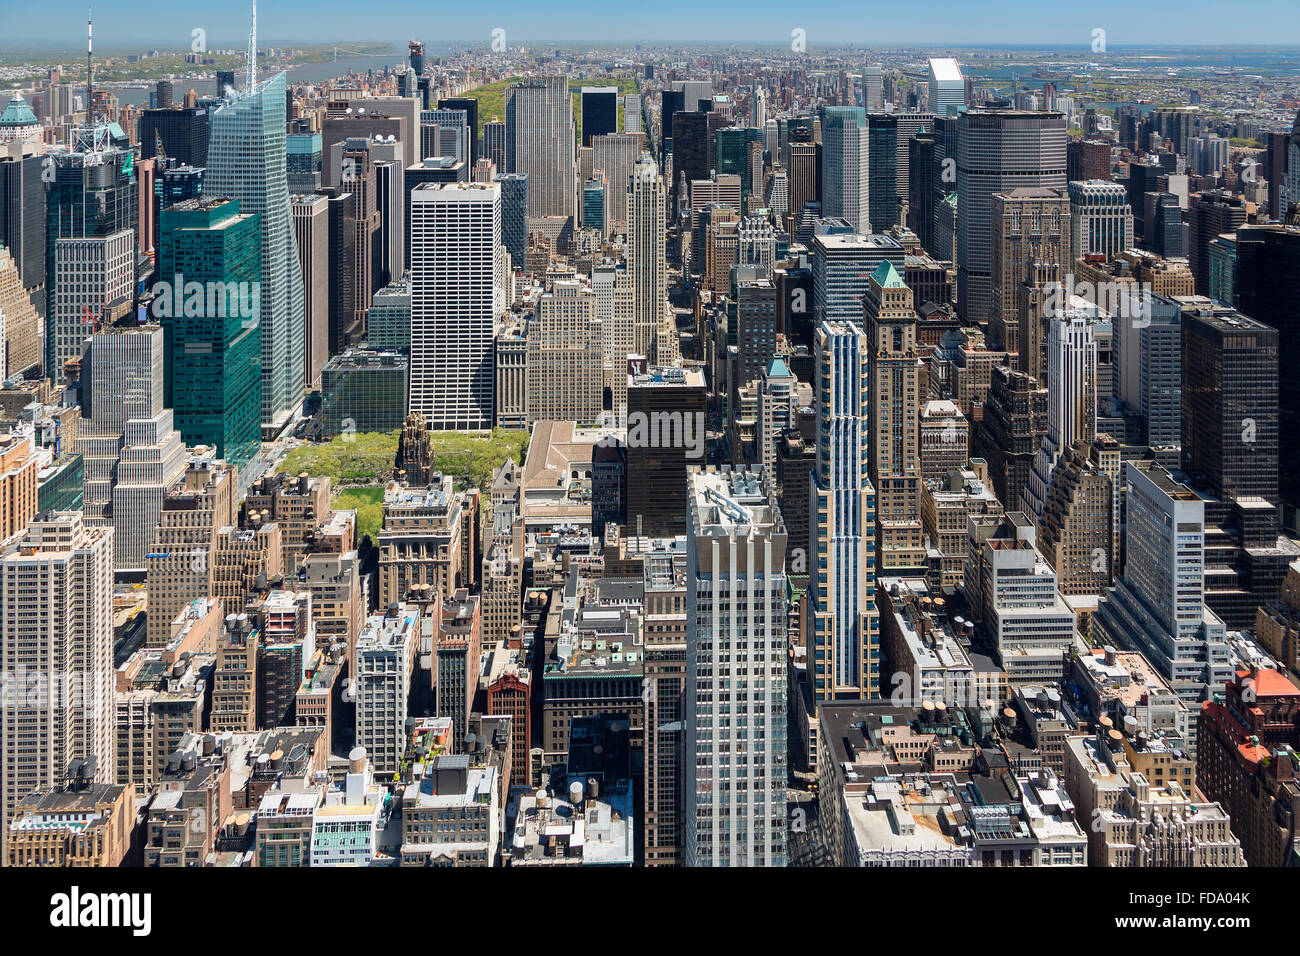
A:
{"x": 246, "y": 162}
{"x": 213, "y": 370}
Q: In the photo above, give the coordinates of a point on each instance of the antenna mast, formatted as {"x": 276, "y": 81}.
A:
{"x": 252, "y": 52}
{"x": 90, "y": 70}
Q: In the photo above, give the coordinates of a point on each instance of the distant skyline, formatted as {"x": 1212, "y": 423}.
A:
{"x": 834, "y": 22}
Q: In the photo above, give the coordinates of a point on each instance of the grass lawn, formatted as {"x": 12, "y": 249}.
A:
{"x": 492, "y": 98}
{"x": 348, "y": 459}
{"x": 369, "y": 506}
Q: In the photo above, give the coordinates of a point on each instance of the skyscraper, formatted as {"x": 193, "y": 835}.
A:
{"x": 646, "y": 255}
{"x": 214, "y": 358}
{"x": 246, "y": 162}
{"x": 997, "y": 150}
{"x": 56, "y": 639}
{"x": 599, "y": 112}
{"x": 539, "y": 142}
{"x": 456, "y": 296}
{"x": 844, "y": 648}
{"x": 947, "y": 86}
{"x": 883, "y": 180}
{"x": 514, "y": 216}
{"x": 735, "y": 693}
{"x": 845, "y": 167}
{"x": 1101, "y": 220}
{"x": 895, "y": 447}
{"x": 1030, "y": 225}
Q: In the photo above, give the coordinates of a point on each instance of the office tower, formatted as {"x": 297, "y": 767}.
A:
{"x": 921, "y": 193}
{"x": 616, "y": 156}
{"x": 947, "y": 86}
{"x": 1076, "y": 527}
{"x": 246, "y": 162}
{"x": 494, "y": 145}
{"x": 225, "y": 83}
{"x": 1290, "y": 192}
{"x": 846, "y": 167}
{"x": 21, "y": 346}
{"x": 691, "y": 149}
{"x": 894, "y": 446}
{"x": 1210, "y": 215}
{"x": 539, "y": 142}
{"x": 599, "y": 112}
{"x": 1101, "y": 220}
{"x": 57, "y": 635}
{"x": 456, "y": 296}
{"x": 1166, "y": 233}
{"x": 1267, "y": 272}
{"x": 873, "y": 88}
{"x": 615, "y": 295}
{"x": 1230, "y": 402}
{"x": 802, "y": 166}
{"x": 882, "y": 179}
{"x": 22, "y": 233}
{"x": 1087, "y": 159}
{"x": 132, "y": 452}
{"x": 1206, "y": 154}
{"x": 843, "y": 262}
{"x": 362, "y": 220}
{"x": 1013, "y": 594}
{"x": 778, "y": 194}
{"x": 458, "y": 643}
{"x": 754, "y": 326}
{"x": 90, "y": 220}
{"x": 731, "y": 154}
{"x": 593, "y": 204}
{"x": 429, "y": 540}
{"x": 18, "y": 483}
{"x": 997, "y": 150}
{"x": 1149, "y": 379}
{"x": 445, "y": 132}
{"x": 470, "y": 106}
{"x": 310, "y": 216}
{"x": 514, "y": 216}
{"x": 363, "y": 390}
{"x": 632, "y": 113}
{"x": 646, "y": 256}
{"x": 944, "y": 439}
{"x": 303, "y": 162}
{"x": 735, "y": 735}
{"x": 1030, "y": 225}
{"x": 911, "y": 124}
{"x": 1158, "y": 604}
{"x": 665, "y": 406}
{"x": 179, "y": 565}
{"x": 778, "y": 410}
{"x": 1071, "y": 397}
{"x": 213, "y": 378}
{"x": 844, "y": 651}
{"x": 340, "y": 217}
{"x": 565, "y": 358}
{"x": 181, "y": 135}
{"x": 1011, "y": 431}
{"x": 1245, "y": 759}
{"x": 385, "y": 663}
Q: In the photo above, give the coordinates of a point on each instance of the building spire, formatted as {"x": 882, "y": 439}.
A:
{"x": 252, "y": 52}
{"x": 90, "y": 70}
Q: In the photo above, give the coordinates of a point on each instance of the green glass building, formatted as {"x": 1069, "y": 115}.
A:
{"x": 208, "y": 301}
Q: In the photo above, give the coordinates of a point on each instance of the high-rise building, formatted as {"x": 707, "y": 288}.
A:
{"x": 565, "y": 356}
{"x": 997, "y": 150}
{"x": 539, "y": 142}
{"x": 616, "y": 155}
{"x": 1011, "y": 430}
{"x": 665, "y": 406}
{"x": 213, "y": 379}
{"x": 246, "y": 162}
{"x": 843, "y": 262}
{"x": 894, "y": 449}
{"x": 57, "y": 637}
{"x": 470, "y": 105}
{"x": 599, "y": 112}
{"x": 456, "y": 296}
{"x": 1101, "y": 220}
{"x": 312, "y": 240}
{"x": 1030, "y": 227}
{"x": 883, "y": 154}
{"x": 735, "y": 693}
{"x": 947, "y": 86}
{"x": 844, "y": 647}
{"x": 1210, "y": 215}
{"x": 845, "y": 170}
{"x": 646, "y": 256}
{"x": 22, "y": 234}
{"x": 179, "y": 134}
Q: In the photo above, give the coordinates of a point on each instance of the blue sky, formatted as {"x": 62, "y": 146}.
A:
{"x": 928, "y": 22}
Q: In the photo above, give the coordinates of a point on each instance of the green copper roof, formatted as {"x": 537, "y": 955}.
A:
{"x": 17, "y": 113}
{"x": 886, "y": 276}
{"x": 777, "y": 368}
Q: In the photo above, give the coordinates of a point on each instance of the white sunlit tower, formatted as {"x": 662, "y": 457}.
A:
{"x": 457, "y": 292}
{"x": 1071, "y": 396}
{"x": 246, "y": 161}
{"x": 844, "y": 648}
{"x": 845, "y": 167}
{"x": 758, "y": 108}
{"x": 647, "y": 256}
{"x": 56, "y": 641}
{"x": 947, "y": 86}
{"x": 735, "y": 694}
